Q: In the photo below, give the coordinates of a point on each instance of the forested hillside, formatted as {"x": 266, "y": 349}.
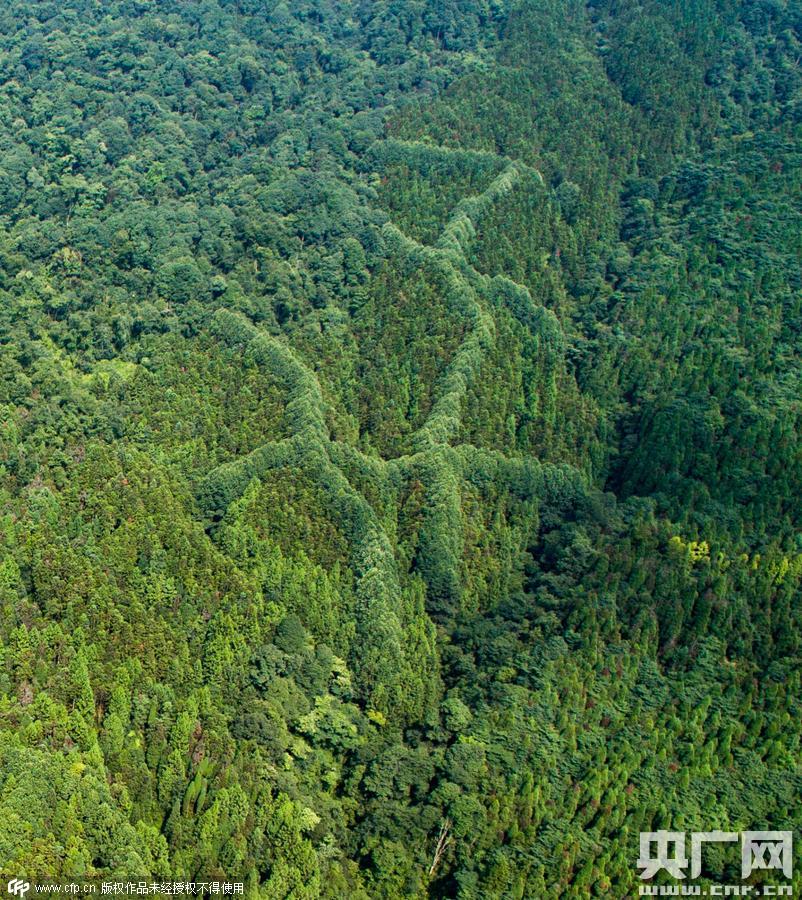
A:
{"x": 399, "y": 440}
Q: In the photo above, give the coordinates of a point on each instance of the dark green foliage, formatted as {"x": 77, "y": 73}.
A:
{"x": 399, "y": 440}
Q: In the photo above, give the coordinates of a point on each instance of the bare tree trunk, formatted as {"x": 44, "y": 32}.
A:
{"x": 443, "y": 840}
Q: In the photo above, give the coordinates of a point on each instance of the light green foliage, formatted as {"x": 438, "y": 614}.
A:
{"x": 399, "y": 440}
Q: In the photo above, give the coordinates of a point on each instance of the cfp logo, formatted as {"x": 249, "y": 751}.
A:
{"x": 18, "y": 888}
{"x": 759, "y": 850}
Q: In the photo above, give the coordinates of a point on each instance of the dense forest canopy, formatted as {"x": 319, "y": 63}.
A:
{"x": 399, "y": 440}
